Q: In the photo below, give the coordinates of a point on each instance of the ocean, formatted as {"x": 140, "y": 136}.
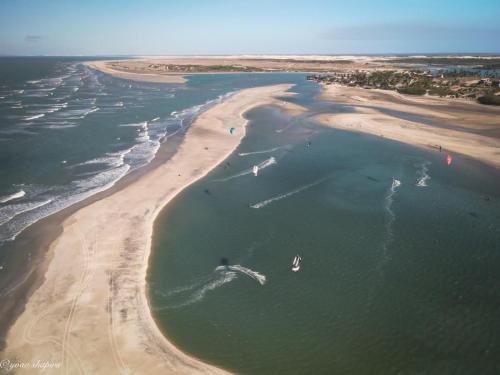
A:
{"x": 68, "y": 132}
{"x": 400, "y": 251}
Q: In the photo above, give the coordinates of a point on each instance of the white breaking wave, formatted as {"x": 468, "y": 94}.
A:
{"x": 92, "y": 110}
{"x": 266, "y": 163}
{"x": 7, "y": 198}
{"x": 422, "y": 174}
{"x": 9, "y": 212}
{"x": 286, "y": 195}
{"x": 155, "y": 119}
{"x": 35, "y": 117}
{"x": 261, "y": 152}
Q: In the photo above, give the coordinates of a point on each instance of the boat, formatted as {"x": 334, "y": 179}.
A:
{"x": 296, "y": 263}
{"x": 255, "y": 170}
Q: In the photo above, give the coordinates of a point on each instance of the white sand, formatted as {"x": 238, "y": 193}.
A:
{"x": 91, "y": 313}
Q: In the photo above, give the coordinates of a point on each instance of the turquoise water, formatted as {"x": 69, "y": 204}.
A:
{"x": 395, "y": 279}
{"x": 400, "y": 256}
{"x": 68, "y": 132}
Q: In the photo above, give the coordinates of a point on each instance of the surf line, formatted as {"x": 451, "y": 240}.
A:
{"x": 289, "y": 194}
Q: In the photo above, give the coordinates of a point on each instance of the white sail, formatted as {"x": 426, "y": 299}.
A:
{"x": 255, "y": 170}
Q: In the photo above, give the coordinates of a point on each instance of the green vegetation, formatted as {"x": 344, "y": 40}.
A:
{"x": 479, "y": 62}
{"x": 414, "y": 82}
{"x": 490, "y": 99}
{"x": 201, "y": 68}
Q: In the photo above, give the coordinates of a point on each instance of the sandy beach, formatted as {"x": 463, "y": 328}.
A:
{"x": 91, "y": 313}
{"x": 457, "y": 126}
{"x": 104, "y": 67}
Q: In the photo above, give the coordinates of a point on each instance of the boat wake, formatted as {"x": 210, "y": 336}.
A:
{"x": 196, "y": 292}
{"x": 261, "y": 152}
{"x": 266, "y": 163}
{"x": 289, "y": 194}
{"x": 422, "y": 174}
{"x": 390, "y": 217}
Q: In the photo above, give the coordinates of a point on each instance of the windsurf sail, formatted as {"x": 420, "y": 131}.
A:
{"x": 449, "y": 159}
{"x": 296, "y": 263}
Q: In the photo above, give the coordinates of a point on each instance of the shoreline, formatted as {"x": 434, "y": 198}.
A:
{"x": 457, "y": 126}
{"x": 133, "y": 330}
{"x": 141, "y": 77}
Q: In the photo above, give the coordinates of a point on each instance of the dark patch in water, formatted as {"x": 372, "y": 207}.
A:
{"x": 372, "y": 178}
{"x": 224, "y": 261}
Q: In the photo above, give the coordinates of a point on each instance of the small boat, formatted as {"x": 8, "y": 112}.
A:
{"x": 296, "y": 263}
{"x": 255, "y": 170}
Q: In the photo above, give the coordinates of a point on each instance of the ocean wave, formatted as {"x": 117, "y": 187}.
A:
{"x": 15, "y": 218}
{"x": 117, "y": 165}
{"x": 17, "y": 195}
{"x": 34, "y": 117}
{"x": 7, "y": 213}
{"x": 422, "y": 174}
{"x": 262, "y": 151}
{"x": 264, "y": 164}
{"x": 289, "y": 194}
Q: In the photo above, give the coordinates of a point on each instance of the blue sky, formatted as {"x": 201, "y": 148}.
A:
{"x": 89, "y": 27}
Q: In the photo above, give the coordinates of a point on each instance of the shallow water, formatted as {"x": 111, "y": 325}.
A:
{"x": 400, "y": 257}
{"x": 68, "y": 132}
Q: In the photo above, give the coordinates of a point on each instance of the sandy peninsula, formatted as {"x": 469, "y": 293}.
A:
{"x": 106, "y": 67}
{"x": 458, "y": 126}
{"x": 90, "y": 314}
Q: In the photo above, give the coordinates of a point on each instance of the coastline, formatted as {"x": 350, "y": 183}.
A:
{"x": 142, "y": 77}
{"x": 457, "y": 126}
{"x": 112, "y": 262}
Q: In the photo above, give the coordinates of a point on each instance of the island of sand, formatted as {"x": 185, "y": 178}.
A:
{"x": 449, "y": 125}
{"x": 91, "y": 314}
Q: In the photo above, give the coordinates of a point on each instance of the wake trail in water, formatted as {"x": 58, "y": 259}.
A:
{"x": 390, "y": 216}
{"x": 422, "y": 174}
{"x": 246, "y": 271}
{"x": 262, "y": 151}
{"x": 197, "y": 291}
{"x": 286, "y": 195}
{"x": 266, "y": 163}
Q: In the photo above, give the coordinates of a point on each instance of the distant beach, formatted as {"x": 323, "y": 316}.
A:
{"x": 454, "y": 125}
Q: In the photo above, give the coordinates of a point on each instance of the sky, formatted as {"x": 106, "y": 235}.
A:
{"x": 214, "y": 27}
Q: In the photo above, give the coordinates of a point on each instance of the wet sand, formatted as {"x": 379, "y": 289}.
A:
{"x": 91, "y": 314}
{"x": 458, "y": 126}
